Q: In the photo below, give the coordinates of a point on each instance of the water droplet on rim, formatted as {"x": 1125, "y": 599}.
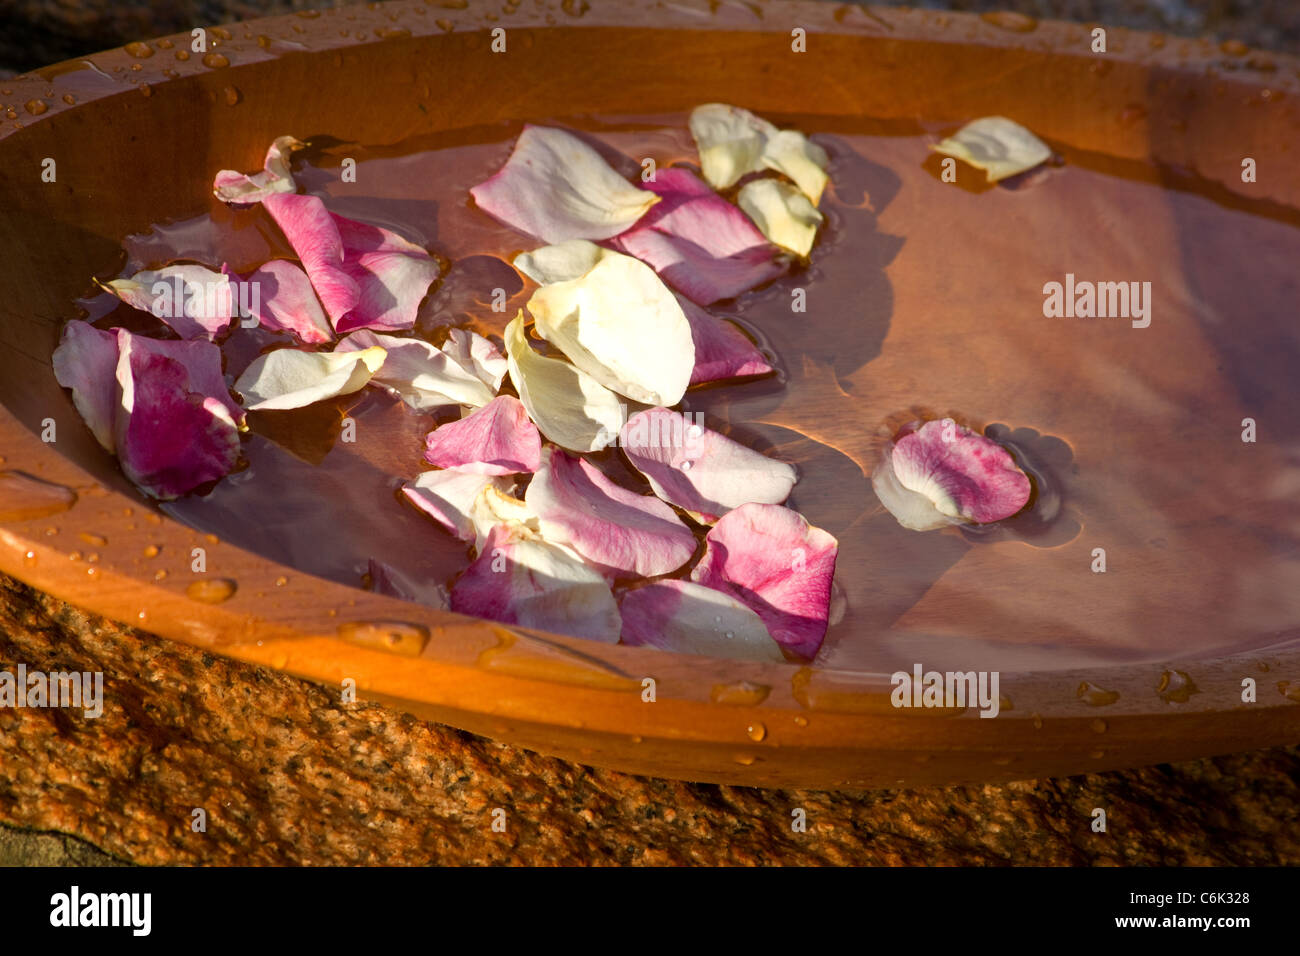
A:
{"x": 211, "y": 590}
{"x": 756, "y": 731}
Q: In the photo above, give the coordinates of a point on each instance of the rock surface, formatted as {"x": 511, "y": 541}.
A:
{"x": 286, "y": 775}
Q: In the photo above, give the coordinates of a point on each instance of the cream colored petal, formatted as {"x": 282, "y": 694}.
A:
{"x": 569, "y": 407}
{"x": 561, "y": 261}
{"x": 997, "y": 145}
{"x": 288, "y": 378}
{"x": 794, "y": 154}
{"x": 422, "y": 376}
{"x": 492, "y": 507}
{"x": 730, "y": 142}
{"x": 782, "y": 212}
{"x": 622, "y": 326}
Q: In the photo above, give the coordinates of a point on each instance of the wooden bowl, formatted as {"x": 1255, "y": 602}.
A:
{"x": 137, "y": 133}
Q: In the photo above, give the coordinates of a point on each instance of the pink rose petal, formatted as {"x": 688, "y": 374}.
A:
{"x": 391, "y": 285}
{"x": 770, "y": 558}
{"x": 520, "y": 578}
{"x": 699, "y": 470}
{"x": 86, "y": 362}
{"x": 722, "y": 351}
{"x": 243, "y": 189}
{"x": 497, "y": 439}
{"x": 556, "y": 187}
{"x": 964, "y": 475}
{"x": 620, "y": 532}
{"x": 170, "y": 439}
{"x": 193, "y": 300}
{"x": 702, "y": 245}
{"x": 281, "y": 297}
{"x": 689, "y": 618}
{"x": 448, "y": 495}
{"x": 201, "y": 361}
{"x": 314, "y": 236}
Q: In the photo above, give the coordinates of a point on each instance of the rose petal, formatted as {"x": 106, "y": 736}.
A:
{"x": 699, "y": 470}
{"x": 722, "y": 350}
{"x": 422, "y": 376}
{"x": 169, "y": 438}
{"x": 689, "y": 618}
{"x": 476, "y": 354}
{"x": 569, "y": 407}
{"x": 498, "y": 439}
{"x": 560, "y": 262}
{"x": 201, "y": 361}
{"x": 280, "y": 295}
{"x": 964, "y": 476}
{"x": 239, "y": 188}
{"x": 700, "y": 244}
{"x": 314, "y": 236}
{"x": 520, "y": 578}
{"x": 556, "y": 187}
{"x": 620, "y": 325}
{"x": 997, "y": 145}
{"x": 733, "y": 142}
{"x": 86, "y": 362}
{"x": 448, "y": 496}
{"x": 288, "y": 378}
{"x": 783, "y": 214}
{"x": 771, "y": 559}
{"x": 492, "y": 507}
{"x": 620, "y": 532}
{"x": 391, "y": 285}
{"x": 194, "y": 300}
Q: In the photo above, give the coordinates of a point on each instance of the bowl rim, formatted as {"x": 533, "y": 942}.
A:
{"x": 503, "y": 681}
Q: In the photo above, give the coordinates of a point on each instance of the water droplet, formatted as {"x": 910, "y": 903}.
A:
{"x": 92, "y": 571}
{"x": 69, "y": 99}
{"x": 35, "y": 107}
{"x": 164, "y": 44}
{"x": 392, "y": 33}
{"x": 182, "y": 54}
{"x": 575, "y": 8}
{"x": 23, "y": 498}
{"x": 1289, "y": 689}
{"x": 211, "y": 590}
{"x": 740, "y": 693}
{"x": 731, "y": 635}
{"x": 152, "y": 551}
{"x": 96, "y": 539}
{"x": 160, "y": 574}
{"x": 1095, "y": 696}
{"x": 145, "y": 89}
{"x": 139, "y": 50}
{"x": 1263, "y": 666}
{"x": 745, "y": 760}
{"x": 396, "y": 637}
{"x": 127, "y": 512}
{"x": 1098, "y": 726}
{"x": 153, "y": 518}
{"x": 93, "y": 557}
{"x": 221, "y": 33}
{"x": 1234, "y": 48}
{"x": 29, "y": 558}
{"x": 11, "y": 114}
{"x": 1176, "y": 687}
{"x": 1097, "y": 754}
{"x": 756, "y": 731}
{"x": 141, "y": 615}
{"x": 637, "y": 740}
{"x": 1009, "y": 20}
{"x": 232, "y": 95}
{"x": 444, "y": 25}
{"x": 51, "y": 531}
{"x": 686, "y": 466}
{"x": 74, "y": 556}
{"x": 211, "y": 539}
{"x": 136, "y": 67}
{"x": 1038, "y": 721}
{"x": 281, "y": 581}
{"x": 215, "y": 61}
{"x": 263, "y": 40}
{"x": 800, "y": 720}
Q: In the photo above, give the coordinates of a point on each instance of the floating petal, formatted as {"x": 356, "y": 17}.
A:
{"x": 997, "y": 145}
{"x": 288, "y": 378}
{"x": 245, "y": 189}
{"x": 448, "y": 496}
{"x": 520, "y": 578}
{"x": 560, "y": 262}
{"x": 620, "y": 532}
{"x": 493, "y": 507}
{"x": 733, "y": 142}
{"x": 689, "y": 618}
{"x": 699, "y": 470}
{"x": 783, "y": 214}
{"x": 700, "y": 244}
{"x": 169, "y": 438}
{"x": 280, "y": 295}
{"x": 422, "y": 376}
{"x": 964, "y": 476}
{"x": 620, "y": 325}
{"x": 771, "y": 559}
{"x": 556, "y": 187}
{"x": 569, "y": 407}
{"x": 476, "y": 354}
{"x": 194, "y": 300}
{"x": 497, "y": 439}
{"x": 86, "y": 362}
{"x": 722, "y": 350}
{"x": 314, "y": 236}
